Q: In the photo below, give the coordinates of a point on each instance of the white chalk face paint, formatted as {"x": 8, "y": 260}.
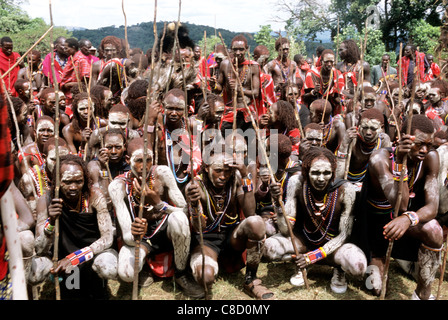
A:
{"x": 51, "y": 157}
{"x": 45, "y": 126}
{"x": 369, "y": 129}
{"x": 83, "y": 108}
{"x": 117, "y": 120}
{"x": 136, "y": 162}
{"x": 314, "y": 136}
{"x": 218, "y": 171}
{"x": 434, "y": 95}
{"x": 72, "y": 181}
{"x": 320, "y": 173}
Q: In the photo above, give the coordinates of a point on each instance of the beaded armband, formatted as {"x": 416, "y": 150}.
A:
{"x": 161, "y": 207}
{"x": 384, "y": 92}
{"x": 80, "y": 256}
{"x": 48, "y": 227}
{"x": 413, "y": 217}
{"x": 316, "y": 255}
{"x": 396, "y": 171}
{"x": 247, "y": 184}
{"x": 341, "y": 155}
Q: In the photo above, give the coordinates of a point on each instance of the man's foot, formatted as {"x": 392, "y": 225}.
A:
{"x": 297, "y": 279}
{"x": 145, "y": 279}
{"x": 257, "y": 291}
{"x": 338, "y": 283}
{"x": 190, "y": 287}
{"x": 416, "y": 297}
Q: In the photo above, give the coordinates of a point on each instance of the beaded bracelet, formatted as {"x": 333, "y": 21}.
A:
{"x": 161, "y": 207}
{"x": 247, "y": 185}
{"x": 413, "y": 217}
{"x": 384, "y": 92}
{"x": 341, "y": 155}
{"x": 48, "y": 227}
{"x": 316, "y": 255}
{"x": 80, "y": 256}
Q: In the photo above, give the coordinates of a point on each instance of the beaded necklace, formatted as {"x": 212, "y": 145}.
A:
{"x": 170, "y": 157}
{"x": 327, "y": 132}
{"x": 40, "y": 179}
{"x": 319, "y": 216}
{"x": 215, "y": 215}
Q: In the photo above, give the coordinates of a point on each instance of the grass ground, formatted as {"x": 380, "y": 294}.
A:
{"x": 275, "y": 276}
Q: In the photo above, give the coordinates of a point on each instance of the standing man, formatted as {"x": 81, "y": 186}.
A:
{"x": 282, "y": 69}
{"x": 382, "y": 70}
{"x": 7, "y": 59}
{"x": 60, "y": 61}
{"x": 249, "y": 77}
{"x": 77, "y": 70}
{"x": 84, "y": 47}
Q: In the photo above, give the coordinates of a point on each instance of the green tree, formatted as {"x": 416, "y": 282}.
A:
{"x": 264, "y": 38}
{"x": 424, "y": 35}
{"x": 211, "y": 44}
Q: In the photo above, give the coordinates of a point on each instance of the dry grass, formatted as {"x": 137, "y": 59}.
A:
{"x": 275, "y": 276}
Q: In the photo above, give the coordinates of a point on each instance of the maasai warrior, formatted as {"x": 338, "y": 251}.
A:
{"x": 173, "y": 139}
{"x": 47, "y": 107}
{"x": 412, "y": 59}
{"x": 281, "y": 118}
{"x": 293, "y": 94}
{"x": 84, "y": 47}
{"x": 220, "y": 196}
{"x": 416, "y": 234}
{"x": 324, "y": 82}
{"x": 249, "y": 77}
{"x": 33, "y": 73}
{"x": 286, "y": 168}
{"x": 77, "y": 70}
{"x": 211, "y": 114}
{"x": 321, "y": 210}
{"x": 20, "y": 110}
{"x": 437, "y": 108}
{"x": 119, "y": 118}
{"x": 76, "y": 133}
{"x": 261, "y": 56}
{"x": 350, "y": 66}
{"x": 332, "y": 126}
{"x": 163, "y": 230}
{"x": 38, "y": 179}
{"x": 60, "y": 61}
{"x": 282, "y": 69}
{"x": 313, "y": 138}
{"x": 434, "y": 69}
{"x": 368, "y": 137}
{"x": 7, "y": 59}
{"x": 112, "y": 71}
{"x": 110, "y": 162}
{"x": 86, "y": 233}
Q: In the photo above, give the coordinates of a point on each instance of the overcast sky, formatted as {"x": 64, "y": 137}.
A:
{"x": 233, "y": 15}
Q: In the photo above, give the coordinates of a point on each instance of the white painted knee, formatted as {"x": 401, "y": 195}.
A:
{"x": 40, "y": 269}
{"x": 106, "y": 265}
{"x": 351, "y": 259}
{"x": 196, "y": 261}
{"x": 27, "y": 242}
{"x": 277, "y": 247}
{"x": 126, "y": 262}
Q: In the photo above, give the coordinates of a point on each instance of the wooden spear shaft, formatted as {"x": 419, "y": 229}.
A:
{"x": 400, "y": 190}
{"x": 145, "y": 157}
{"x": 26, "y": 53}
{"x": 263, "y": 149}
{"x": 125, "y": 29}
{"x": 57, "y": 169}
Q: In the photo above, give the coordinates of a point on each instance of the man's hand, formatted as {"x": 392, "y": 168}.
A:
{"x": 152, "y": 197}
{"x": 55, "y": 210}
{"x": 395, "y": 229}
{"x": 86, "y": 134}
{"x": 139, "y": 228}
{"x": 103, "y": 156}
{"x": 193, "y": 194}
{"x": 404, "y": 147}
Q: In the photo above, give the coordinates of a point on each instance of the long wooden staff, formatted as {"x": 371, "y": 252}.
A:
{"x": 355, "y": 98}
{"x": 89, "y": 112}
{"x": 125, "y": 29}
{"x": 145, "y": 157}
{"x": 263, "y": 149}
{"x": 400, "y": 188}
{"x": 205, "y": 86}
{"x": 27, "y": 52}
{"x": 57, "y": 169}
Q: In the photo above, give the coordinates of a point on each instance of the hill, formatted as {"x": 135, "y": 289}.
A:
{"x": 141, "y": 35}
